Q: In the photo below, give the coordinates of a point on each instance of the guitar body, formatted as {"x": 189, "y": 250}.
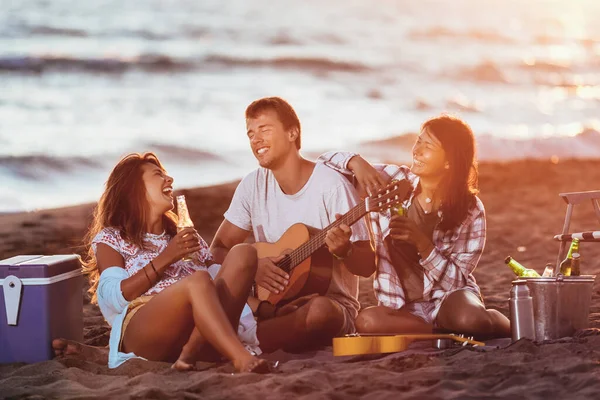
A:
{"x": 352, "y": 345}
{"x": 307, "y": 260}
{"x": 312, "y": 275}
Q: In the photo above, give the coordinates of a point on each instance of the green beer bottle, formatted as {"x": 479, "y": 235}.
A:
{"x": 519, "y": 269}
{"x": 575, "y": 264}
{"x": 565, "y": 265}
{"x": 400, "y": 210}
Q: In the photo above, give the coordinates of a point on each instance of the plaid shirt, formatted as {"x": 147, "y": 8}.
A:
{"x": 448, "y": 267}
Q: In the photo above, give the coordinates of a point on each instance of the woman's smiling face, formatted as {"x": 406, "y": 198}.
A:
{"x": 159, "y": 188}
{"x": 429, "y": 157}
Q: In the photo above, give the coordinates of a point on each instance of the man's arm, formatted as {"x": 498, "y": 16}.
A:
{"x": 227, "y": 236}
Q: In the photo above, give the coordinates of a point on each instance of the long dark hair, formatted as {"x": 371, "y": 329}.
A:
{"x": 460, "y": 185}
{"x": 124, "y": 206}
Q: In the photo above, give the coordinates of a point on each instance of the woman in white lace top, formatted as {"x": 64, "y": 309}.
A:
{"x": 166, "y": 309}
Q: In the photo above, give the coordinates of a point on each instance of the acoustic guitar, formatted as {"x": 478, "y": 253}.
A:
{"x": 307, "y": 261}
{"x": 355, "y": 344}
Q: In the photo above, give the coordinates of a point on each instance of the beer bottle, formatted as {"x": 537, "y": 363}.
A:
{"x": 548, "y": 271}
{"x": 575, "y": 263}
{"x": 400, "y": 210}
{"x": 183, "y": 219}
{"x": 519, "y": 269}
{"x": 565, "y": 265}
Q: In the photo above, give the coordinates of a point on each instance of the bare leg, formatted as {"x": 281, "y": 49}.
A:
{"x": 464, "y": 312}
{"x": 174, "y": 313}
{"x": 314, "y": 323}
{"x": 233, "y": 283}
{"x": 71, "y": 349}
{"x": 384, "y": 320}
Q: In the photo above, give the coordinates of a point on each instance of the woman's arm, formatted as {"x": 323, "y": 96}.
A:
{"x": 451, "y": 271}
{"x": 369, "y": 178}
{"x": 182, "y": 244}
{"x": 361, "y": 260}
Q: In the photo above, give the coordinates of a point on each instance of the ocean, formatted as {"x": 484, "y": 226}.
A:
{"x": 83, "y": 83}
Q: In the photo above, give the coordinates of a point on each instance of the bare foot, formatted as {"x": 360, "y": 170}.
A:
{"x": 181, "y": 365}
{"x": 64, "y": 348}
{"x": 252, "y": 364}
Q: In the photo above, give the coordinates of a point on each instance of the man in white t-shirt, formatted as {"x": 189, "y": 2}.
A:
{"x": 285, "y": 190}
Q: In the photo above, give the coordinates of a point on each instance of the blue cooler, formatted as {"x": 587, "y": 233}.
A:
{"x": 40, "y": 299}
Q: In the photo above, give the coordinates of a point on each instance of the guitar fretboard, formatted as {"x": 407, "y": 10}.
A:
{"x": 317, "y": 241}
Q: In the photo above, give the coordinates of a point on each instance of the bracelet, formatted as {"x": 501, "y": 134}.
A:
{"x": 154, "y": 269}
{"x": 347, "y": 254}
{"x": 148, "y": 277}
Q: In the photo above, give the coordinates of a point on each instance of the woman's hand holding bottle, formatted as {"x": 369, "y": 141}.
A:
{"x": 405, "y": 229}
{"x": 184, "y": 243}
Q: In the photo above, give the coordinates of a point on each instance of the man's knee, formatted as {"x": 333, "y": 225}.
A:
{"x": 244, "y": 257}
{"x": 323, "y": 315}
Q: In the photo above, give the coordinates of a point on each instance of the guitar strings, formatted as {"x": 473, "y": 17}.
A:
{"x": 304, "y": 251}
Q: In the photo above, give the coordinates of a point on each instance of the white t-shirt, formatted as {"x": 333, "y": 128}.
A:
{"x": 259, "y": 205}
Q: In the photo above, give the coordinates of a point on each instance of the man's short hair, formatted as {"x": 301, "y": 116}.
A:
{"x": 282, "y": 108}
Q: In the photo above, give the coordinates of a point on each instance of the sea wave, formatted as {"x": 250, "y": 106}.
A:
{"x": 584, "y": 145}
{"x": 301, "y": 63}
{"x": 486, "y": 71}
{"x": 169, "y": 151}
{"x": 163, "y": 63}
{"x": 44, "y": 63}
{"x": 45, "y": 30}
{"x": 38, "y": 167}
{"x": 440, "y": 32}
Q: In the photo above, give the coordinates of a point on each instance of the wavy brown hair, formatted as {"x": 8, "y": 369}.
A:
{"x": 123, "y": 206}
{"x": 460, "y": 185}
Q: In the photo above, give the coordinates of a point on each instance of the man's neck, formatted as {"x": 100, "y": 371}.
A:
{"x": 293, "y": 173}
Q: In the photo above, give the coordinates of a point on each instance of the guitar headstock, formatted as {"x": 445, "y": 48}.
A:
{"x": 394, "y": 193}
{"x": 464, "y": 340}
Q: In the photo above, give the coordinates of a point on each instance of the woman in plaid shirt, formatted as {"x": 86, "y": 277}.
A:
{"x": 425, "y": 258}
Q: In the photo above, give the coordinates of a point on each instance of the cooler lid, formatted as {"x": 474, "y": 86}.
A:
{"x": 36, "y": 266}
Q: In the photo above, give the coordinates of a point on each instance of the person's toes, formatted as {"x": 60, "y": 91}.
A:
{"x": 181, "y": 365}
{"x": 258, "y": 366}
{"x": 59, "y": 346}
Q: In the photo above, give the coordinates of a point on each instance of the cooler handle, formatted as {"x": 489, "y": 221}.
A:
{"x": 12, "y": 298}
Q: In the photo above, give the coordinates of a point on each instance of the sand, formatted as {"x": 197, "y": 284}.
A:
{"x": 524, "y": 211}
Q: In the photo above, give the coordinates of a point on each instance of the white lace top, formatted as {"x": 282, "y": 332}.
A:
{"x": 136, "y": 258}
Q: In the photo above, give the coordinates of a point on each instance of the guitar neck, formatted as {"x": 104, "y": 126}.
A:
{"x": 423, "y": 336}
{"x": 318, "y": 240}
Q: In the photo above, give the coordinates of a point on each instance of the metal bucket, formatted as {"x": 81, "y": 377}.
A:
{"x": 561, "y": 304}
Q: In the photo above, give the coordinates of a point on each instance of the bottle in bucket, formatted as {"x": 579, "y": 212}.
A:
{"x": 575, "y": 264}
{"x": 520, "y": 305}
{"x": 519, "y": 269}
{"x": 548, "y": 271}
{"x": 183, "y": 218}
{"x": 565, "y": 265}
